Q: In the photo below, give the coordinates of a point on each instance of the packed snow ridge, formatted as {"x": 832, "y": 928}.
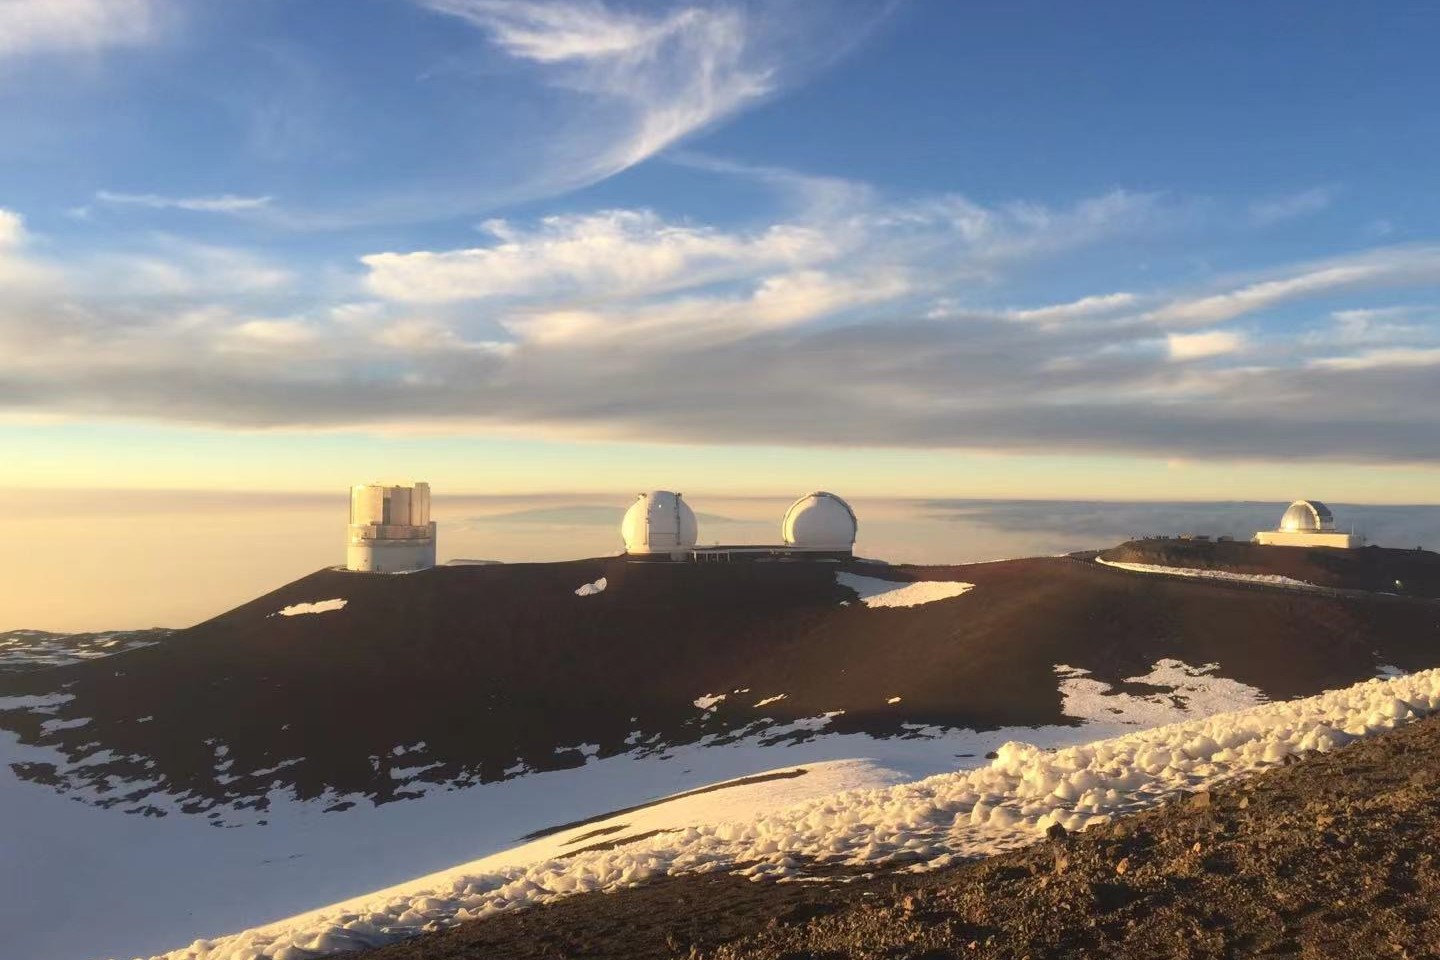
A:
{"x": 319, "y": 606}
{"x": 922, "y": 825}
{"x": 874, "y": 592}
{"x": 1273, "y": 579}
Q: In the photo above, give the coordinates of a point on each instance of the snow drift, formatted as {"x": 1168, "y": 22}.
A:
{"x": 921, "y": 825}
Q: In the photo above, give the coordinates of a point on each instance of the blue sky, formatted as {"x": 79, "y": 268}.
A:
{"x": 926, "y": 247}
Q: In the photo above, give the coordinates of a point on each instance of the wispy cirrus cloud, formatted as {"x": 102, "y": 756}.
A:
{"x": 1273, "y": 210}
{"x": 1085, "y": 308}
{"x": 1389, "y": 267}
{"x": 1382, "y": 358}
{"x": 655, "y": 76}
{"x": 57, "y": 26}
{"x": 223, "y": 203}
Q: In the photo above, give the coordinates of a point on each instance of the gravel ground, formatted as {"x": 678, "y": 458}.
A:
{"x": 1333, "y": 856}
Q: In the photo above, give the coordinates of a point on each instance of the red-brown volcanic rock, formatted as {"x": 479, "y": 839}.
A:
{"x": 493, "y": 665}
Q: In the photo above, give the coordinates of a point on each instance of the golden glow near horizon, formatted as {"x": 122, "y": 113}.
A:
{"x": 246, "y": 512}
{"x": 98, "y": 560}
{"x": 144, "y": 458}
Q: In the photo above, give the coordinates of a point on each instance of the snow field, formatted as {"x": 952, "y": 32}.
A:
{"x": 874, "y": 592}
{"x": 923, "y": 825}
{"x": 1274, "y": 580}
{"x": 319, "y": 606}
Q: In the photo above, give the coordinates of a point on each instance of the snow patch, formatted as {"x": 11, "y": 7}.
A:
{"x": 51, "y": 726}
{"x": 590, "y": 589}
{"x": 710, "y": 701}
{"x": 1271, "y": 579}
{"x": 893, "y": 700}
{"x": 874, "y": 592}
{"x": 42, "y": 703}
{"x": 319, "y": 606}
{"x": 1187, "y": 692}
{"x": 768, "y": 700}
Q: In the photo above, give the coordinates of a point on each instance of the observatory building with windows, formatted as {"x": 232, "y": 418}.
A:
{"x": 661, "y": 526}
{"x": 390, "y": 529}
{"x": 1307, "y": 523}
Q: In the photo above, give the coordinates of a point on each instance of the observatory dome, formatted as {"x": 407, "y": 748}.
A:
{"x": 1306, "y": 515}
{"x": 819, "y": 521}
{"x": 659, "y": 522}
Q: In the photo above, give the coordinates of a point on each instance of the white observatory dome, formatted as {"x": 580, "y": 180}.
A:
{"x": 819, "y": 521}
{"x": 659, "y": 522}
{"x": 1307, "y": 515}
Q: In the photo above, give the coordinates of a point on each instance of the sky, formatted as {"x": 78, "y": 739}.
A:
{"x": 924, "y": 249}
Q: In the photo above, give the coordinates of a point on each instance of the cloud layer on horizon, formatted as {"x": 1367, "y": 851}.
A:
{"x": 852, "y": 324}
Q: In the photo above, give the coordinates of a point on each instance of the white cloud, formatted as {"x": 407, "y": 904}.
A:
{"x": 176, "y": 268}
{"x": 556, "y": 32}
{"x": 12, "y": 229}
{"x": 267, "y": 336}
{"x": 1392, "y": 267}
{"x": 634, "y": 252}
{"x": 46, "y": 26}
{"x": 1369, "y": 326}
{"x": 1084, "y": 308}
{"x": 225, "y": 203}
{"x": 1198, "y": 346}
{"x": 1380, "y": 359}
{"x": 19, "y": 273}
{"x": 613, "y": 252}
{"x": 776, "y": 302}
{"x": 1278, "y": 209}
{"x": 420, "y": 336}
{"x": 658, "y": 76}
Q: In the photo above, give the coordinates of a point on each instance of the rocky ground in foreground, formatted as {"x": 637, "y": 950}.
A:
{"x": 1333, "y": 856}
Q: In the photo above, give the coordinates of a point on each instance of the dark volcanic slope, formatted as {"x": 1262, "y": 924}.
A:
{"x": 1331, "y": 857}
{"x": 1412, "y": 573}
{"x": 469, "y": 671}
